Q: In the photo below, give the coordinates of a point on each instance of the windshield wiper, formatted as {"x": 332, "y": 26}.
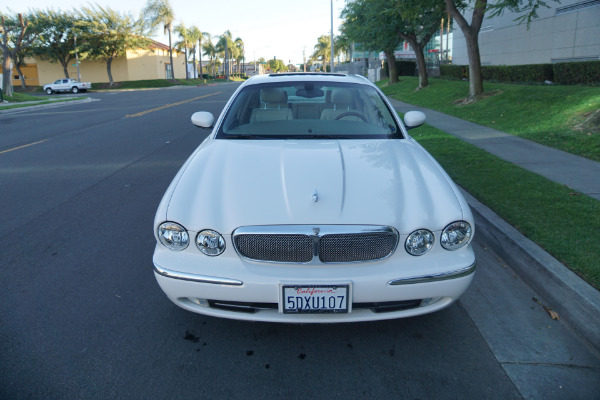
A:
{"x": 320, "y": 137}
{"x": 246, "y": 137}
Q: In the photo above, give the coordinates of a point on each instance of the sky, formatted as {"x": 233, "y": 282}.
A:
{"x": 283, "y": 29}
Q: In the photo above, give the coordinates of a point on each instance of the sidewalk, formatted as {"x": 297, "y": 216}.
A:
{"x": 575, "y": 300}
{"x": 576, "y": 172}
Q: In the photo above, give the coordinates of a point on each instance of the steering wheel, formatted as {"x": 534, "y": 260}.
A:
{"x": 351, "y": 114}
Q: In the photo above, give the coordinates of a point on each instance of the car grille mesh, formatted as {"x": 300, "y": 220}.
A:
{"x": 304, "y": 248}
{"x": 356, "y": 247}
{"x": 274, "y": 247}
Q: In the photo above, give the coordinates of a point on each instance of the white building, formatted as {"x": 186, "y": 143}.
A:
{"x": 566, "y": 31}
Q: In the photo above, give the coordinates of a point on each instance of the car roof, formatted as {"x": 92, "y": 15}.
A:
{"x": 307, "y": 77}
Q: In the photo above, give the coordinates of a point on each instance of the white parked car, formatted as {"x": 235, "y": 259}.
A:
{"x": 309, "y": 202}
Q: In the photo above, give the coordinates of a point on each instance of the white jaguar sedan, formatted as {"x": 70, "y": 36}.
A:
{"x": 309, "y": 202}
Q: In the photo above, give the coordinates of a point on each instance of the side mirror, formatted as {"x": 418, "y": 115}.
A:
{"x": 203, "y": 119}
{"x": 413, "y": 119}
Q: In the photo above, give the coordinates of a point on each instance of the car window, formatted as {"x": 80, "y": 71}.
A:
{"x": 309, "y": 110}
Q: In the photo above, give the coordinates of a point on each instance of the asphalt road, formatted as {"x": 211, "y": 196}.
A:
{"x": 81, "y": 315}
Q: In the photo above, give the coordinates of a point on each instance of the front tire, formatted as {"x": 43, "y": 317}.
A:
{"x": 49, "y": 91}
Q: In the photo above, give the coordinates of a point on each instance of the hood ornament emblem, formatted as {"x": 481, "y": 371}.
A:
{"x": 315, "y": 196}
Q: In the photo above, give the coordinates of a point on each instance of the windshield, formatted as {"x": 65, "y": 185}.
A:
{"x": 309, "y": 110}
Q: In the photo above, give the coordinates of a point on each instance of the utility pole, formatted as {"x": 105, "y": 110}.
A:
{"x": 304, "y": 58}
{"x": 77, "y": 59}
{"x": 331, "y": 56}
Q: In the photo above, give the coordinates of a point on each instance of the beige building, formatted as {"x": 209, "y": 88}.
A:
{"x": 134, "y": 66}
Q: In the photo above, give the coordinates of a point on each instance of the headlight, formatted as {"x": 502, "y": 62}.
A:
{"x": 456, "y": 235}
{"x": 419, "y": 242}
{"x": 210, "y": 242}
{"x": 173, "y": 236}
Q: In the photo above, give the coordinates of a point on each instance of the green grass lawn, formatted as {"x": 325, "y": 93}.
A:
{"x": 563, "y": 222}
{"x": 19, "y": 100}
{"x": 155, "y": 83}
{"x": 563, "y": 117}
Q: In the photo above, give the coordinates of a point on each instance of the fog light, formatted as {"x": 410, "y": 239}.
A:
{"x": 200, "y": 302}
{"x": 430, "y": 301}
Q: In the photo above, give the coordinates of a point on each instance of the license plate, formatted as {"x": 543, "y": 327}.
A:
{"x": 315, "y": 299}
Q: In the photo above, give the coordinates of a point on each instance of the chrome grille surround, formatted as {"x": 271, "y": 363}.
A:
{"x": 315, "y": 244}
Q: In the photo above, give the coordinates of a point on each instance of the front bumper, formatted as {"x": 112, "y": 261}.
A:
{"x": 230, "y": 287}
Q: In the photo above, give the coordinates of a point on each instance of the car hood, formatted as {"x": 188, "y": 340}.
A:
{"x": 231, "y": 183}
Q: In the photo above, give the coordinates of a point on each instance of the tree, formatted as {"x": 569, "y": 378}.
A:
{"x": 382, "y": 24}
{"x": 455, "y": 8}
{"x": 106, "y": 35}
{"x": 276, "y": 66}
{"x": 367, "y": 24}
{"x": 195, "y": 37}
{"x": 420, "y": 19}
{"x": 239, "y": 53}
{"x": 157, "y": 13}
{"x": 341, "y": 46}
{"x": 210, "y": 50}
{"x": 225, "y": 47}
{"x": 184, "y": 43}
{"x": 16, "y": 34}
{"x": 56, "y": 42}
{"x": 322, "y": 49}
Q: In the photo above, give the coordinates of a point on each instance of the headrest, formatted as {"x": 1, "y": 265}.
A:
{"x": 273, "y": 95}
{"x": 341, "y": 96}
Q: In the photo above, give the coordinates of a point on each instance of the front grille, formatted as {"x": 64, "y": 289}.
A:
{"x": 356, "y": 247}
{"x": 308, "y": 244}
{"x": 276, "y": 248}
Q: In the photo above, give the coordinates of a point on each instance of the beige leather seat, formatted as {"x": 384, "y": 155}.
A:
{"x": 274, "y": 106}
{"x": 343, "y": 102}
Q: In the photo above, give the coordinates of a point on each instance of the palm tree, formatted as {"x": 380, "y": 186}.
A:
{"x": 195, "y": 37}
{"x": 323, "y": 49}
{"x": 239, "y": 46}
{"x": 341, "y": 46}
{"x": 209, "y": 50}
{"x": 225, "y": 47}
{"x": 205, "y": 36}
{"x": 160, "y": 12}
{"x": 184, "y": 43}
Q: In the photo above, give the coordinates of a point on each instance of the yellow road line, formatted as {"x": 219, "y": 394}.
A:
{"x": 169, "y": 105}
{"x": 21, "y": 147}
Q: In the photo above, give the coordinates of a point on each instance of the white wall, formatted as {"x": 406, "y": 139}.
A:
{"x": 572, "y": 35}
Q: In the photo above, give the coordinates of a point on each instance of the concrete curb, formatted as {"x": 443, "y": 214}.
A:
{"x": 36, "y": 106}
{"x": 575, "y": 301}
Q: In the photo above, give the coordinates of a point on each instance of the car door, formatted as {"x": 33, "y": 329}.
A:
{"x": 64, "y": 85}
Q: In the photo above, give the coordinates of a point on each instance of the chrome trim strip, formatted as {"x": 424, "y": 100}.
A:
{"x": 196, "y": 278}
{"x": 434, "y": 277}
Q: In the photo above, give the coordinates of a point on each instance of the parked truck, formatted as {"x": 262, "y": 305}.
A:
{"x": 67, "y": 85}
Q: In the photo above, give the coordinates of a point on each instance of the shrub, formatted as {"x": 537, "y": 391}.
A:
{"x": 572, "y": 73}
{"x": 577, "y": 73}
{"x": 457, "y": 72}
{"x": 517, "y": 73}
{"x": 403, "y": 68}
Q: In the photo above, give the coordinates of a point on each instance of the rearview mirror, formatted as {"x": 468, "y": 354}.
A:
{"x": 203, "y": 119}
{"x": 413, "y": 119}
